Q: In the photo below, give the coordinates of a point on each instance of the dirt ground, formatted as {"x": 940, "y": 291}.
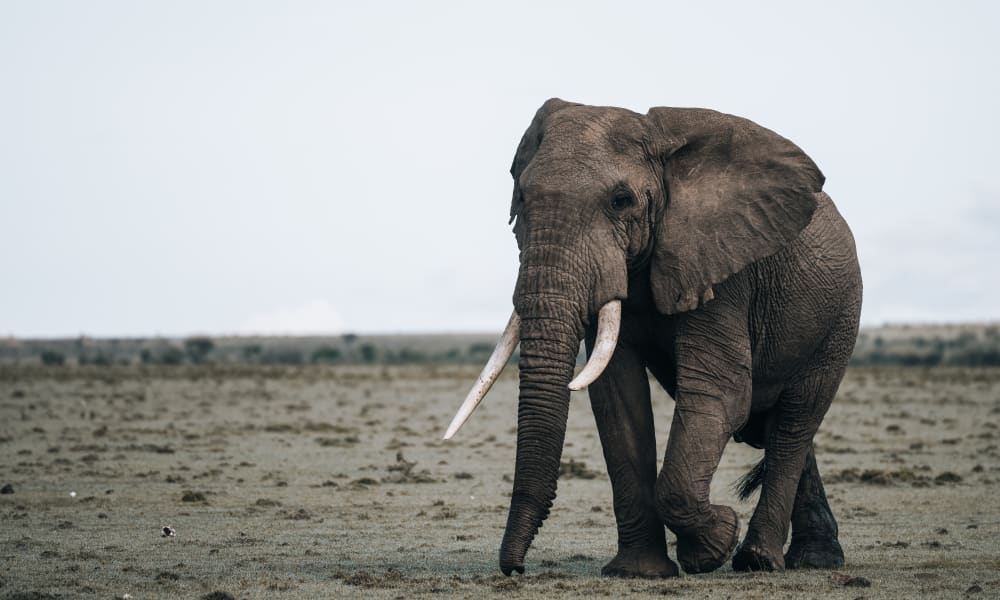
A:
{"x": 334, "y": 482}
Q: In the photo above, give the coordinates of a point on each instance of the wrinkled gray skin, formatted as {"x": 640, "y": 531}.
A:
{"x": 741, "y": 294}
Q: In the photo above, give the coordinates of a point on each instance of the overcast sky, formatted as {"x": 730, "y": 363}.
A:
{"x": 316, "y": 167}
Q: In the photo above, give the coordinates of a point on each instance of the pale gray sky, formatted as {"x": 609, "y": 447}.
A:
{"x": 221, "y": 167}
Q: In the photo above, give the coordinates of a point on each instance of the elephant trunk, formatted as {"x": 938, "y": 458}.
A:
{"x": 552, "y": 325}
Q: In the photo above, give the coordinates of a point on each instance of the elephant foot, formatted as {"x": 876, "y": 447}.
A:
{"x": 814, "y": 554}
{"x": 646, "y": 563}
{"x": 752, "y": 556}
{"x": 701, "y": 553}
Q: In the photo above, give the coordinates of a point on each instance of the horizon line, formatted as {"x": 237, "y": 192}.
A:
{"x": 230, "y": 335}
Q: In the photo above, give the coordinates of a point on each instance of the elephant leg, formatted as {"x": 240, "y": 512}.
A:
{"x": 706, "y": 533}
{"x": 799, "y": 412}
{"x": 712, "y": 400}
{"x": 791, "y": 483}
{"x": 814, "y": 530}
{"x": 621, "y": 404}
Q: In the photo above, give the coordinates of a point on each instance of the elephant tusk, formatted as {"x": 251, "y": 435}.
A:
{"x": 609, "y": 321}
{"x": 494, "y": 366}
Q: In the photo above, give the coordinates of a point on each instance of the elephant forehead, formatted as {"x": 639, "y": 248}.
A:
{"x": 585, "y": 148}
{"x": 594, "y": 129}
{"x": 557, "y": 176}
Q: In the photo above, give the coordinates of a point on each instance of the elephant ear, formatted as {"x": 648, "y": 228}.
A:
{"x": 737, "y": 192}
{"x": 530, "y": 142}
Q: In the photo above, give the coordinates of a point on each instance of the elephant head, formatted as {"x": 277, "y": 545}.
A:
{"x": 689, "y": 196}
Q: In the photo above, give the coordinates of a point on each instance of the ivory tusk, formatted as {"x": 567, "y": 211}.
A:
{"x": 494, "y": 366}
{"x": 609, "y": 321}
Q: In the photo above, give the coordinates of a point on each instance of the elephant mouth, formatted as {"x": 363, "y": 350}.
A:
{"x": 608, "y": 326}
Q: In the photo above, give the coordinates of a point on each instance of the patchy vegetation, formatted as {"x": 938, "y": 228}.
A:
{"x": 577, "y": 469}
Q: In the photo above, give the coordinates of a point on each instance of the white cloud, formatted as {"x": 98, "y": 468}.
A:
{"x": 316, "y": 317}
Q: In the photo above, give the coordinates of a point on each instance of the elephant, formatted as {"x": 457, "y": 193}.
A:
{"x": 700, "y": 248}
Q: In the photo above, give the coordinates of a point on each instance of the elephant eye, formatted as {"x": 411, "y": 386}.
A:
{"x": 621, "y": 200}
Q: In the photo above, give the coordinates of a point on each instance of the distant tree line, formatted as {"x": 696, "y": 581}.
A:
{"x": 966, "y": 349}
{"x": 367, "y": 353}
{"x": 200, "y": 350}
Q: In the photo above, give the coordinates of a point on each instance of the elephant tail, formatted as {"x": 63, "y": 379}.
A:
{"x": 745, "y": 486}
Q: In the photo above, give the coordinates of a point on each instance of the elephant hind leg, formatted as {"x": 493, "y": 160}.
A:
{"x": 787, "y": 457}
{"x": 790, "y": 460}
{"x": 814, "y": 530}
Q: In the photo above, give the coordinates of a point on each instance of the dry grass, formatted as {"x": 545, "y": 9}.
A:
{"x": 333, "y": 482}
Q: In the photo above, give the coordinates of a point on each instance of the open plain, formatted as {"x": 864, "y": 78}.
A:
{"x": 319, "y": 482}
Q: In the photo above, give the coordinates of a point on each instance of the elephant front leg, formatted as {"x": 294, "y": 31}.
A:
{"x": 621, "y": 403}
{"x": 706, "y": 533}
{"x": 712, "y": 400}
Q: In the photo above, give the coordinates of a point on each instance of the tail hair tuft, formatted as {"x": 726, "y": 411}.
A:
{"x": 745, "y": 486}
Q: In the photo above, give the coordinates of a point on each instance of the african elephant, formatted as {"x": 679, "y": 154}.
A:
{"x": 700, "y": 246}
